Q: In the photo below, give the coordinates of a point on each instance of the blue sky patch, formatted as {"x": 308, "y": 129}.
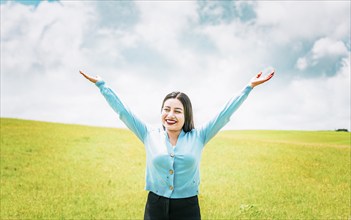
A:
{"x": 216, "y": 12}
{"x": 28, "y": 2}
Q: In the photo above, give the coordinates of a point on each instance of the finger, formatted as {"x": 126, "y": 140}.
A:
{"x": 259, "y": 75}
{"x": 82, "y": 73}
{"x": 270, "y": 76}
{"x": 85, "y": 75}
{"x": 272, "y": 73}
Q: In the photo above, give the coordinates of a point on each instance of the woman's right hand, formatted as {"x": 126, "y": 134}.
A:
{"x": 92, "y": 79}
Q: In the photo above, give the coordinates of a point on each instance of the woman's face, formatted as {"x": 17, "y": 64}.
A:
{"x": 172, "y": 115}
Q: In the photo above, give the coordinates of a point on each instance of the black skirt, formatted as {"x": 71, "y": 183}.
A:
{"x": 162, "y": 208}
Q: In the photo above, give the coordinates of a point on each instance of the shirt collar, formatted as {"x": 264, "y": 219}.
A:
{"x": 182, "y": 132}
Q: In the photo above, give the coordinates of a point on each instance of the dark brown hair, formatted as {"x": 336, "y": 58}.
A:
{"x": 188, "y": 109}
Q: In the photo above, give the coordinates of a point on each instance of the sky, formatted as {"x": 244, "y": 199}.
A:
{"x": 207, "y": 49}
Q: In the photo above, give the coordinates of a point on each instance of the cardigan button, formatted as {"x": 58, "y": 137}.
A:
{"x": 171, "y": 188}
{"x": 171, "y": 172}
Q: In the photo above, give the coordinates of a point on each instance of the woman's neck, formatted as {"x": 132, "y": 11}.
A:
{"x": 173, "y": 136}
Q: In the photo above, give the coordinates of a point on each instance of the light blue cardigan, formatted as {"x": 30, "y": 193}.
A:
{"x": 172, "y": 172}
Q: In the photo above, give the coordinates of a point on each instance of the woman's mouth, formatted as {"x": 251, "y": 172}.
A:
{"x": 170, "y": 121}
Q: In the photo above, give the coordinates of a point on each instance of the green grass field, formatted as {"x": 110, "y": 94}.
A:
{"x": 58, "y": 171}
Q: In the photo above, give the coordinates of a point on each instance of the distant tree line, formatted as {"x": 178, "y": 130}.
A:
{"x": 342, "y": 129}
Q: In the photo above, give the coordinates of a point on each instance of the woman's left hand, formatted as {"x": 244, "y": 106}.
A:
{"x": 257, "y": 80}
{"x": 92, "y": 79}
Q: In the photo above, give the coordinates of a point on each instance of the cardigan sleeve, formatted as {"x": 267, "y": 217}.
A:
{"x": 137, "y": 126}
{"x": 212, "y": 127}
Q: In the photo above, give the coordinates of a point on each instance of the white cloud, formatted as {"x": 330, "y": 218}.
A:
{"x": 41, "y": 39}
{"x": 146, "y": 49}
{"x": 40, "y": 51}
{"x": 327, "y": 47}
{"x": 162, "y": 29}
{"x": 288, "y": 21}
{"x": 324, "y": 53}
{"x": 301, "y": 63}
{"x": 302, "y": 103}
{"x": 324, "y": 102}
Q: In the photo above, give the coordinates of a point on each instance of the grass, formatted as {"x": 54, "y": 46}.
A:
{"x": 58, "y": 171}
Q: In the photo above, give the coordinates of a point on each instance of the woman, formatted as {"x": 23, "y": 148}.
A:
{"x": 173, "y": 151}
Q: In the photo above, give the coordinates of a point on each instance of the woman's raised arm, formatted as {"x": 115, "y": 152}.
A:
{"x": 212, "y": 127}
{"x": 138, "y": 127}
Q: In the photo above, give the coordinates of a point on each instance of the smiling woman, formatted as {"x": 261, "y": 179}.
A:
{"x": 177, "y": 114}
{"x": 173, "y": 151}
